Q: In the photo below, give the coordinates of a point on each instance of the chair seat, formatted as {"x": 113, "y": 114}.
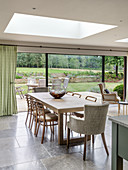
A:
{"x": 46, "y": 112}
{"x": 49, "y": 117}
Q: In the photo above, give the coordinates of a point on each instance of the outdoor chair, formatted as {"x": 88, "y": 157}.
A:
{"x": 112, "y": 97}
{"x": 65, "y": 85}
{"x": 56, "y": 84}
{"x": 30, "y": 84}
{"x": 93, "y": 123}
{"x": 45, "y": 119}
{"x": 19, "y": 90}
{"x": 42, "y": 82}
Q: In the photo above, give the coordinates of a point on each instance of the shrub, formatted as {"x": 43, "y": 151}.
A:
{"x": 119, "y": 90}
{"x": 19, "y": 76}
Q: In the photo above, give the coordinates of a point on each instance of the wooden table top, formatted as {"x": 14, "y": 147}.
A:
{"x": 67, "y": 103}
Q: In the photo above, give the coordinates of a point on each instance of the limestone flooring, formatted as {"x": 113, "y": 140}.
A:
{"x": 21, "y": 150}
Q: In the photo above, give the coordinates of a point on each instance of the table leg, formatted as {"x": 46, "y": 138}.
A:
{"x": 126, "y": 109}
{"x": 60, "y": 129}
{"x": 123, "y": 109}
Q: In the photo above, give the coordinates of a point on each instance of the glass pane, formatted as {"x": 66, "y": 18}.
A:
{"x": 114, "y": 72}
{"x": 30, "y": 70}
{"x": 84, "y": 71}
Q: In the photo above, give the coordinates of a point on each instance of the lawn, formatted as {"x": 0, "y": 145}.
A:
{"x": 50, "y": 70}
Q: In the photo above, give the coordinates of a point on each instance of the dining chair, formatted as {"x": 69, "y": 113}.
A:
{"x": 93, "y": 123}
{"x": 31, "y": 81}
{"x": 111, "y": 98}
{"x": 35, "y": 114}
{"x": 49, "y": 119}
{"x": 42, "y": 82}
{"x": 65, "y": 84}
{"x": 66, "y": 114}
{"x": 81, "y": 113}
{"x": 40, "y": 89}
{"x": 28, "y": 106}
{"x": 31, "y": 109}
{"x": 56, "y": 84}
{"x": 20, "y": 90}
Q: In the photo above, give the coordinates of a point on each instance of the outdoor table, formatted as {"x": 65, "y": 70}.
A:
{"x": 66, "y": 104}
{"x": 31, "y": 86}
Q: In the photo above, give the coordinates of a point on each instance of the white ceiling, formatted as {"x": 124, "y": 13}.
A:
{"x": 112, "y": 12}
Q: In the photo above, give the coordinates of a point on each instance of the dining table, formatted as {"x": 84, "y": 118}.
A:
{"x": 67, "y": 103}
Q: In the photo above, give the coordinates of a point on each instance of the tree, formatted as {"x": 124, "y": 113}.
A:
{"x": 116, "y": 60}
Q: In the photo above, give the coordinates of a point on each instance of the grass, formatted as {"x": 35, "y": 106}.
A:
{"x": 50, "y": 70}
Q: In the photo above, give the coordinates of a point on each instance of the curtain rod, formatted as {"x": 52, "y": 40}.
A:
{"x": 64, "y": 48}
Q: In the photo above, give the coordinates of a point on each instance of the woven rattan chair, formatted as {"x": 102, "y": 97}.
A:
{"x": 111, "y": 98}
{"x": 93, "y": 123}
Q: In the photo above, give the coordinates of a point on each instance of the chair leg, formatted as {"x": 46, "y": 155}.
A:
{"x": 43, "y": 133}
{"x": 65, "y": 120}
{"x": 22, "y": 94}
{"x": 37, "y": 129}
{"x": 68, "y": 137}
{"x": 26, "y": 118}
{"x": 93, "y": 139}
{"x": 104, "y": 142}
{"x": 30, "y": 119}
{"x": 118, "y": 109}
{"x": 84, "y": 155}
{"x": 32, "y": 123}
{"x": 53, "y": 127}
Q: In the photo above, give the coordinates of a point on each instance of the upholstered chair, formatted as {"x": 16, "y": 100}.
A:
{"x": 93, "y": 123}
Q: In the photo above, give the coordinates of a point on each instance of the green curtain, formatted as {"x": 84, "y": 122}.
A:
{"x": 8, "y": 59}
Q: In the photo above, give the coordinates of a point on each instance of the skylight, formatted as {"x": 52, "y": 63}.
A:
{"x": 52, "y": 27}
{"x": 123, "y": 40}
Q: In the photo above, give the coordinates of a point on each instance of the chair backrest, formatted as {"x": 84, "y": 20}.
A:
{"x": 42, "y": 82}
{"x": 65, "y": 85}
{"x": 91, "y": 98}
{"x": 76, "y": 94}
{"x": 101, "y": 85}
{"x": 95, "y": 118}
{"x": 31, "y": 81}
{"x": 56, "y": 84}
{"x": 40, "y": 89}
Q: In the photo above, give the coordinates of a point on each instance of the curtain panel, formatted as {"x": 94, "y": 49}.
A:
{"x": 8, "y": 59}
